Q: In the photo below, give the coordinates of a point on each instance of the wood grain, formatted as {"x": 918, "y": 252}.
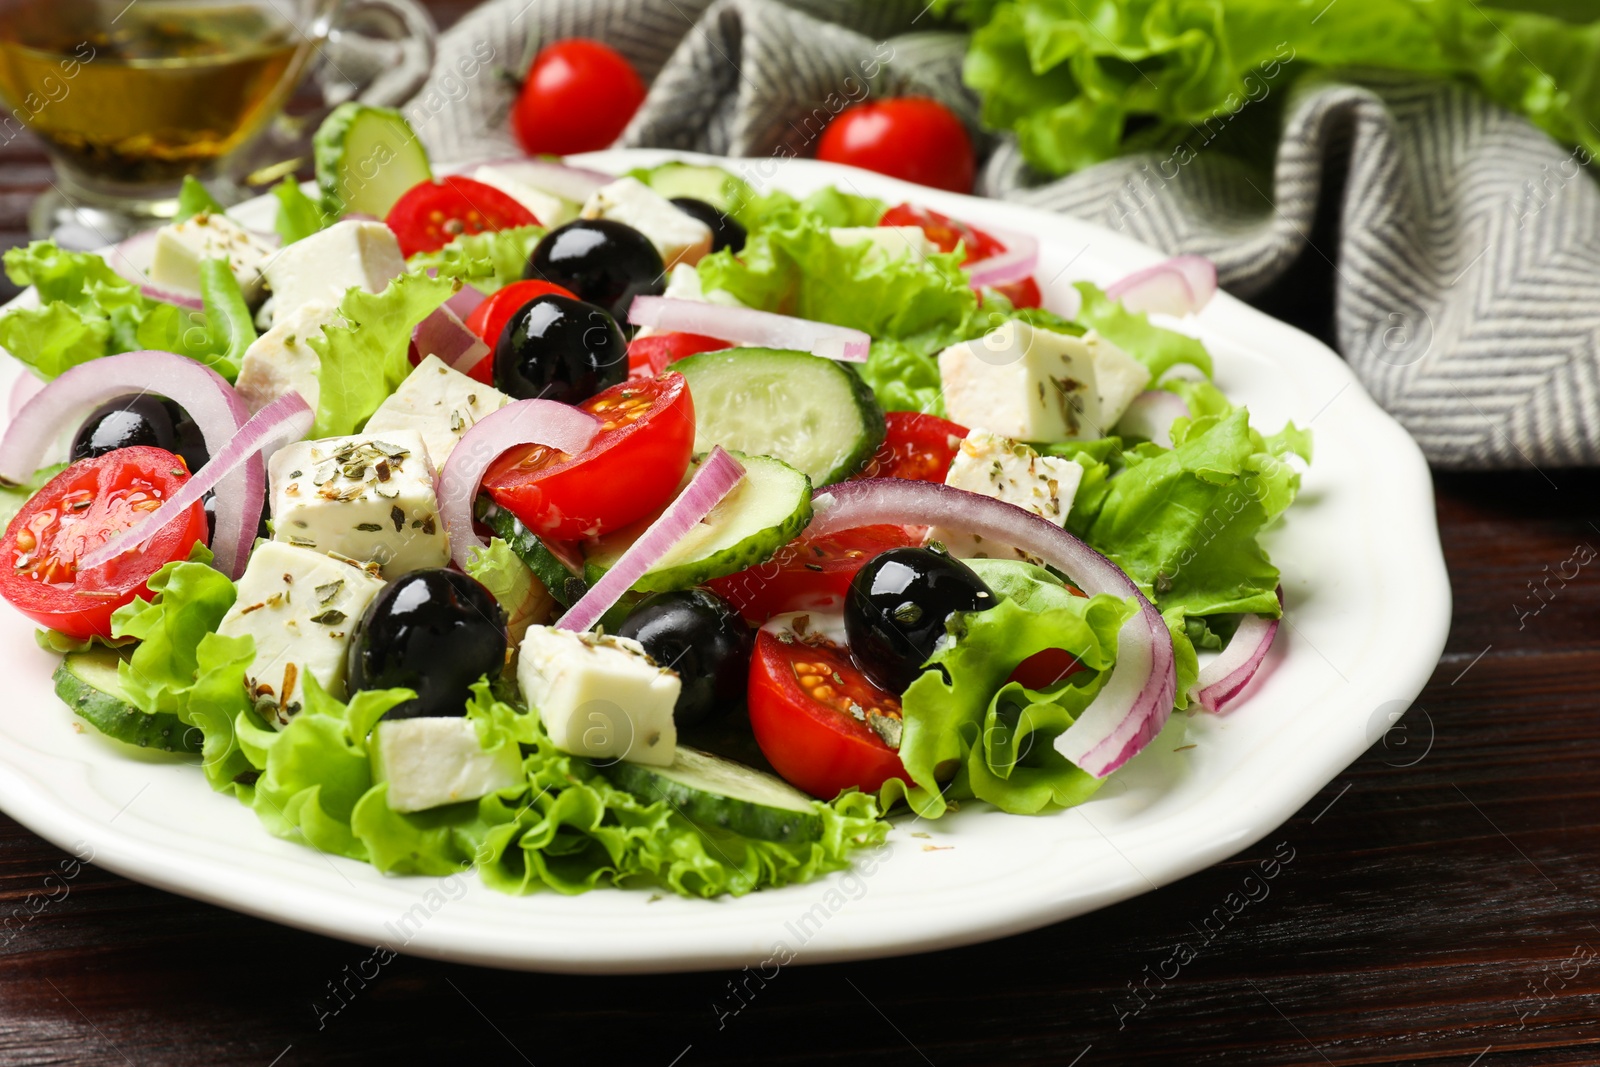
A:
{"x": 1440, "y": 910}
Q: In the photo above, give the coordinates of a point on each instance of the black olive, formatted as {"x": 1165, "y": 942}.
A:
{"x": 602, "y": 261}
{"x": 140, "y": 419}
{"x": 434, "y": 631}
{"x": 725, "y": 231}
{"x": 896, "y": 610}
{"x": 558, "y": 348}
{"x": 699, "y": 635}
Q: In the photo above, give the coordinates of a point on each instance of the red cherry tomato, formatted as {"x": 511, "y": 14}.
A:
{"x": 1048, "y": 666}
{"x": 578, "y": 97}
{"x": 1023, "y": 294}
{"x": 631, "y": 468}
{"x": 944, "y": 231}
{"x": 432, "y": 214}
{"x": 78, "y": 510}
{"x": 801, "y": 697}
{"x": 488, "y": 320}
{"x": 649, "y": 356}
{"x": 808, "y": 574}
{"x": 916, "y": 447}
{"x": 915, "y": 138}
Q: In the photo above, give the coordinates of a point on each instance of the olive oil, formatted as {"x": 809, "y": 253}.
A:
{"x": 142, "y": 92}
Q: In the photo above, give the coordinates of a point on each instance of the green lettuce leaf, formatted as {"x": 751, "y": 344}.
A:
{"x": 977, "y": 735}
{"x": 231, "y": 327}
{"x": 86, "y": 309}
{"x": 1157, "y": 348}
{"x": 195, "y": 199}
{"x": 366, "y": 357}
{"x": 298, "y": 215}
{"x": 489, "y": 261}
{"x": 525, "y": 599}
{"x": 903, "y": 377}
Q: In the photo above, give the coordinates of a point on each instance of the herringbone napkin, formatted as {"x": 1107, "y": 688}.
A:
{"x": 1467, "y": 262}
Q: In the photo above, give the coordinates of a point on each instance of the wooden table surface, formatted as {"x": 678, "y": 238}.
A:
{"x": 1442, "y": 904}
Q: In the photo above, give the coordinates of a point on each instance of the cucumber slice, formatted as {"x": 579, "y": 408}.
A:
{"x": 813, "y": 413}
{"x": 717, "y": 792}
{"x": 765, "y": 511}
{"x": 366, "y": 158}
{"x": 88, "y": 683}
{"x": 560, "y": 573}
{"x": 715, "y": 186}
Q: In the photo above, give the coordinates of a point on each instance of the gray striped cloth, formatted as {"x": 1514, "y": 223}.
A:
{"x": 1463, "y": 242}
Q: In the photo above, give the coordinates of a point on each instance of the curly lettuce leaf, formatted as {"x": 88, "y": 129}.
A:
{"x": 366, "y": 357}
{"x": 525, "y": 599}
{"x": 1159, "y": 349}
{"x": 489, "y": 261}
{"x": 86, "y": 310}
{"x": 978, "y": 735}
{"x": 903, "y": 377}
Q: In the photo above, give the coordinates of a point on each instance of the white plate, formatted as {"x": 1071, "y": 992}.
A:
{"x": 1368, "y": 610}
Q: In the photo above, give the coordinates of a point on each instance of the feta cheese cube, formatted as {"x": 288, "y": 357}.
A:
{"x": 321, "y": 268}
{"x": 368, "y": 497}
{"x": 521, "y": 183}
{"x": 435, "y": 761}
{"x": 1035, "y": 385}
{"x": 599, "y": 696}
{"x": 676, "y": 235}
{"x": 280, "y": 360}
{"x": 438, "y": 402}
{"x": 893, "y": 242}
{"x": 1011, "y": 471}
{"x": 182, "y": 246}
{"x": 299, "y": 606}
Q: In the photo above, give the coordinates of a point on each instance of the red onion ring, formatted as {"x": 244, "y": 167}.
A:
{"x": 125, "y": 258}
{"x": 216, "y": 408}
{"x": 747, "y": 326}
{"x": 1178, "y": 286}
{"x": 1224, "y": 678}
{"x": 716, "y": 477}
{"x": 286, "y": 419}
{"x": 1151, "y": 416}
{"x": 522, "y": 422}
{"x": 557, "y": 179}
{"x": 444, "y": 335}
{"x": 24, "y": 389}
{"x": 465, "y": 301}
{"x": 1137, "y": 699}
{"x": 1019, "y": 260}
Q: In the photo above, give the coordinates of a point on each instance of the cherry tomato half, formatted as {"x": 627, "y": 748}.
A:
{"x": 80, "y": 509}
{"x": 1023, "y": 294}
{"x": 578, "y": 97}
{"x": 631, "y": 468}
{"x": 649, "y": 356}
{"x": 916, "y": 447}
{"x": 808, "y": 574}
{"x": 945, "y": 232}
{"x": 432, "y": 214}
{"x": 488, "y": 320}
{"x": 803, "y": 698}
{"x": 914, "y": 138}
{"x": 1048, "y": 666}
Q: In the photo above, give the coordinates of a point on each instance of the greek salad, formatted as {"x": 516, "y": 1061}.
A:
{"x": 614, "y": 530}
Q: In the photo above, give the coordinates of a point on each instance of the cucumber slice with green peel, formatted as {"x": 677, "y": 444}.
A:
{"x": 766, "y": 510}
{"x": 718, "y": 792}
{"x": 560, "y": 573}
{"x": 366, "y": 158}
{"x": 813, "y": 413}
{"x": 87, "y": 682}
{"x": 723, "y": 191}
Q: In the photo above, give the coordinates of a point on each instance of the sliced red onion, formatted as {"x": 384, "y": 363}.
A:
{"x": 465, "y": 301}
{"x": 24, "y": 389}
{"x": 747, "y": 326}
{"x": 1136, "y": 700}
{"x": 286, "y": 419}
{"x": 444, "y": 335}
{"x": 1151, "y": 416}
{"x": 126, "y": 259}
{"x": 1224, "y": 678}
{"x": 1178, "y": 286}
{"x": 557, "y": 179}
{"x": 522, "y": 422}
{"x": 716, "y": 477}
{"x": 1018, "y": 261}
{"x": 216, "y": 408}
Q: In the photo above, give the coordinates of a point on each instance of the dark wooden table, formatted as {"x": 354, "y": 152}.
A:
{"x": 1442, "y": 909}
